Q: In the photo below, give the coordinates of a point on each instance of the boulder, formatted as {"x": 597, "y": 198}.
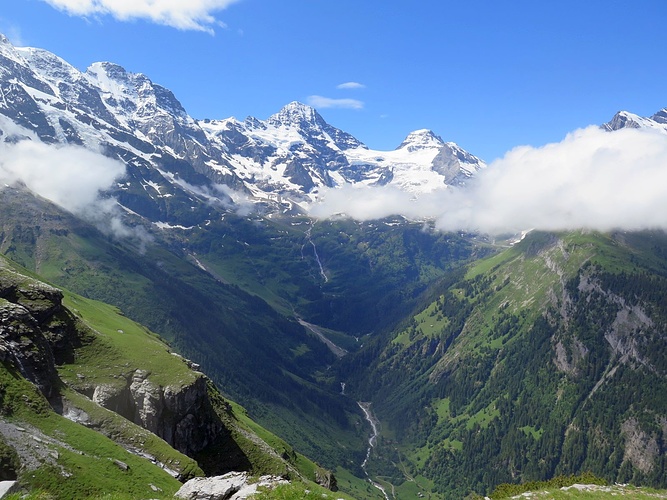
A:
{"x": 213, "y": 488}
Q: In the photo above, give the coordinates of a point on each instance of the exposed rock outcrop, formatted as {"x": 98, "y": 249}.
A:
{"x": 231, "y": 486}
{"x": 641, "y": 449}
{"x": 326, "y": 479}
{"x": 26, "y": 308}
{"x": 181, "y": 415}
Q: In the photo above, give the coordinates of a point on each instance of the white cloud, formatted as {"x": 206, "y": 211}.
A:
{"x": 369, "y": 203}
{"x": 71, "y": 177}
{"x": 351, "y": 86}
{"x": 592, "y": 179}
{"x": 318, "y": 101}
{"x": 181, "y": 14}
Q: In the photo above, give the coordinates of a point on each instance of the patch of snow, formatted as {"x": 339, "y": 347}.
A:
{"x": 166, "y": 225}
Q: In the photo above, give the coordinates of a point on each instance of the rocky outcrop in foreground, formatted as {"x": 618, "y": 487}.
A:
{"x": 231, "y": 486}
{"x": 181, "y": 415}
{"x": 31, "y": 315}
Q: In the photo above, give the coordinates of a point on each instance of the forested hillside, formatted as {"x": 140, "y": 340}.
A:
{"x": 544, "y": 360}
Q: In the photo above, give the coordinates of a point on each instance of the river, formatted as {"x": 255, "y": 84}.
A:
{"x": 370, "y": 417}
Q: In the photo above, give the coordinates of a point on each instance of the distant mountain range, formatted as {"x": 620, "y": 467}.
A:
{"x": 284, "y": 160}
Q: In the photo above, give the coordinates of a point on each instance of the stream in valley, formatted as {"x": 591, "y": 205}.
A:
{"x": 370, "y": 417}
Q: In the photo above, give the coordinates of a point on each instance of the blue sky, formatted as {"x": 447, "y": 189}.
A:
{"x": 487, "y": 74}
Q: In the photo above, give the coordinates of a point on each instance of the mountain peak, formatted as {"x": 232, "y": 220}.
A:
{"x": 49, "y": 64}
{"x": 7, "y": 49}
{"x": 105, "y": 70}
{"x": 295, "y": 113}
{"x": 660, "y": 116}
{"x": 421, "y": 139}
{"x": 625, "y": 119}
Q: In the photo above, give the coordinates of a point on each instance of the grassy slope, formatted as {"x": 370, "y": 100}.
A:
{"x": 117, "y": 347}
{"x": 84, "y": 467}
{"x": 261, "y": 358}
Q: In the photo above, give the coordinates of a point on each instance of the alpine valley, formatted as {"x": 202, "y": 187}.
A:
{"x": 468, "y": 363}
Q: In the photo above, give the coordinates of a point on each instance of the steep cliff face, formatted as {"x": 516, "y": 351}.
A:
{"x": 181, "y": 415}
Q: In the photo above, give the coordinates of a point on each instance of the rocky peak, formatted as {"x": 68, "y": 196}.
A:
{"x": 296, "y": 114}
{"x": 453, "y": 150}
{"x": 623, "y": 119}
{"x": 455, "y": 164}
{"x": 312, "y": 126}
{"x": 421, "y": 139}
{"x": 660, "y": 116}
{"x": 113, "y": 79}
{"x": 106, "y": 73}
{"x": 135, "y": 95}
{"x": 49, "y": 64}
{"x": 6, "y": 48}
{"x": 252, "y": 122}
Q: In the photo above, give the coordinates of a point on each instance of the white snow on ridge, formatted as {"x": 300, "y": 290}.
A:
{"x": 294, "y": 154}
{"x": 289, "y": 132}
{"x": 626, "y": 119}
{"x": 165, "y": 225}
{"x": 48, "y": 64}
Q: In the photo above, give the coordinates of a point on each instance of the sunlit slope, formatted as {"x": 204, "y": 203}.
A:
{"x": 78, "y": 376}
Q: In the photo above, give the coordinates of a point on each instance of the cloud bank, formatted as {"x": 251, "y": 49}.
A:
{"x": 180, "y": 14}
{"x": 317, "y": 101}
{"x": 69, "y": 176}
{"x": 591, "y": 179}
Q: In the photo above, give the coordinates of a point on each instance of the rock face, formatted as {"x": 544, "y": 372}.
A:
{"x": 231, "y": 486}
{"x": 182, "y": 416}
{"x": 641, "y": 449}
{"x": 326, "y": 479}
{"x": 31, "y": 315}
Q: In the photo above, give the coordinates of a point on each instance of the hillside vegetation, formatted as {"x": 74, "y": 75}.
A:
{"x": 94, "y": 404}
{"x": 547, "y": 359}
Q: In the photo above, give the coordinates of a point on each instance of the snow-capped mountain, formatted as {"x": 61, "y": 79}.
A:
{"x": 295, "y": 152}
{"x": 625, "y": 119}
{"x": 173, "y": 159}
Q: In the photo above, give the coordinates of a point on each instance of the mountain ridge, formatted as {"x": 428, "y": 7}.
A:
{"x": 293, "y": 154}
